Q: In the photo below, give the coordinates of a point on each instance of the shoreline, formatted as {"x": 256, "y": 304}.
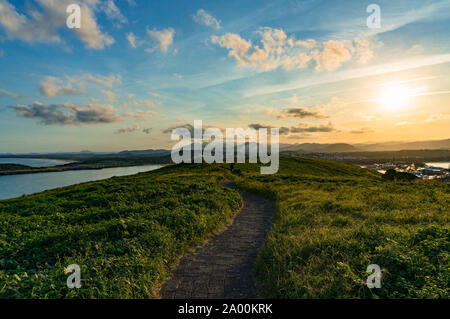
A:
{"x": 55, "y": 169}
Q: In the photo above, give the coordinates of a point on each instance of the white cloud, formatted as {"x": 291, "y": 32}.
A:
{"x": 276, "y": 49}
{"x": 113, "y": 12}
{"x": 105, "y": 80}
{"x": 52, "y": 86}
{"x": 42, "y": 25}
{"x": 164, "y": 39}
{"x": 132, "y": 39}
{"x": 109, "y": 95}
{"x": 9, "y": 94}
{"x": 444, "y": 117}
{"x": 204, "y": 18}
{"x": 140, "y": 115}
{"x": 140, "y": 103}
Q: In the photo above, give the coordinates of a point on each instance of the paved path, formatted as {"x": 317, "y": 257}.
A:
{"x": 224, "y": 268}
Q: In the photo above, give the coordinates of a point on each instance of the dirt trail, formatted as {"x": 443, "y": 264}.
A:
{"x": 224, "y": 268}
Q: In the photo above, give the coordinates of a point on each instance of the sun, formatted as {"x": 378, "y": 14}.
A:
{"x": 395, "y": 98}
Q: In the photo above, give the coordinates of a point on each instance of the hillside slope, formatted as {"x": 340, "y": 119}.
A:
{"x": 334, "y": 220}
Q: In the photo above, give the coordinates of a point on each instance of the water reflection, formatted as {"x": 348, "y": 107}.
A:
{"x": 16, "y": 185}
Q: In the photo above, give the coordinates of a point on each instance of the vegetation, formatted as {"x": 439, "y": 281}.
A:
{"x": 392, "y": 175}
{"x": 334, "y": 220}
{"x": 125, "y": 233}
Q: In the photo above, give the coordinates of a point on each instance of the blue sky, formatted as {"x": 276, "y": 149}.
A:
{"x": 137, "y": 68}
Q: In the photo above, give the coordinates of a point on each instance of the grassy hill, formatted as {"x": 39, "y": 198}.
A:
{"x": 125, "y": 233}
{"x": 333, "y": 220}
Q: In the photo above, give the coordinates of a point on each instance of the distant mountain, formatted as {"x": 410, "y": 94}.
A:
{"x": 296, "y": 149}
{"x": 146, "y": 153}
{"x": 398, "y": 146}
{"x": 318, "y": 148}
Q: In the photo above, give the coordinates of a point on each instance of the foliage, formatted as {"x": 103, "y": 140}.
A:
{"x": 125, "y": 233}
{"x": 334, "y": 219}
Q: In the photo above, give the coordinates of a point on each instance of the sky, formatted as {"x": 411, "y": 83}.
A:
{"x": 137, "y": 69}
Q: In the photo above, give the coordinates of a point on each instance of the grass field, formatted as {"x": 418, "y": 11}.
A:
{"x": 125, "y": 233}
{"x": 332, "y": 221}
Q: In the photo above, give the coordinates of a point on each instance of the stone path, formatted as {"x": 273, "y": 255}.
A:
{"x": 224, "y": 268}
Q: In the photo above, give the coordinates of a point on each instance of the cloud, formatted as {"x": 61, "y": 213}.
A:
{"x": 303, "y": 128}
{"x": 113, "y": 12}
{"x": 105, "y": 80}
{"x": 132, "y": 39}
{"x": 42, "y": 25}
{"x": 187, "y": 126}
{"x": 133, "y": 128}
{"x": 282, "y": 130}
{"x": 300, "y": 112}
{"x": 109, "y": 95}
{"x": 148, "y": 103}
{"x": 362, "y": 130}
{"x": 276, "y": 49}
{"x": 68, "y": 114}
{"x": 164, "y": 39}
{"x": 333, "y": 54}
{"x": 52, "y": 86}
{"x": 9, "y": 94}
{"x": 415, "y": 49}
{"x": 140, "y": 103}
{"x": 140, "y": 115}
{"x": 204, "y": 18}
{"x": 438, "y": 117}
{"x": 238, "y": 47}
{"x": 130, "y": 129}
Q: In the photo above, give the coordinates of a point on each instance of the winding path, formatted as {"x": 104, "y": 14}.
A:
{"x": 224, "y": 268}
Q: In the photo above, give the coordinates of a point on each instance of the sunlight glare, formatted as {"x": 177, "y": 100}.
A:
{"x": 395, "y": 98}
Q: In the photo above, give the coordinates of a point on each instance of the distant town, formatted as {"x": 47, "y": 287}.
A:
{"x": 419, "y": 166}
{"x": 424, "y": 172}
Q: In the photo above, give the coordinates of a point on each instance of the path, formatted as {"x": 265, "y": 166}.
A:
{"x": 224, "y": 268}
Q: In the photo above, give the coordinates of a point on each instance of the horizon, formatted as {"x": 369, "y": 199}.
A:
{"x": 138, "y": 69}
{"x": 169, "y": 148}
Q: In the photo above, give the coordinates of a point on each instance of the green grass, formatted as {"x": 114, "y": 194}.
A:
{"x": 334, "y": 219}
{"x": 125, "y": 233}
